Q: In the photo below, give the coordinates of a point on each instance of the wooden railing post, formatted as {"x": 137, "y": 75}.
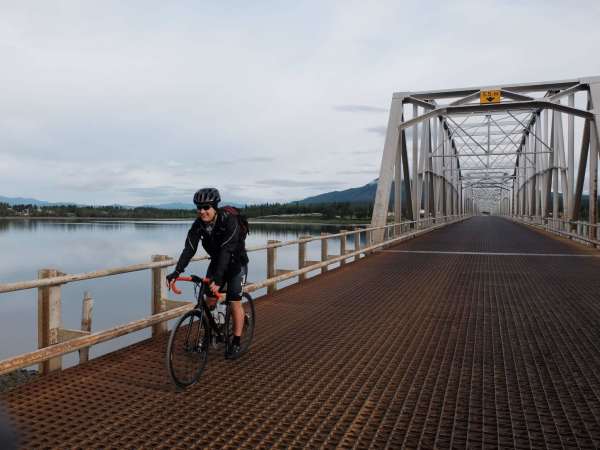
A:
{"x": 343, "y": 246}
{"x": 159, "y": 293}
{"x": 324, "y": 254}
{"x": 86, "y": 324}
{"x": 369, "y": 239}
{"x": 272, "y": 265}
{"x": 49, "y": 319}
{"x": 357, "y": 242}
{"x": 302, "y": 257}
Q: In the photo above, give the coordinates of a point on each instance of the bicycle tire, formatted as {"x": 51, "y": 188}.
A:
{"x": 249, "y": 324}
{"x": 187, "y": 350}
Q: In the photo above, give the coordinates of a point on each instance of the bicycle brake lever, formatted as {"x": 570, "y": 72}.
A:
{"x": 196, "y": 279}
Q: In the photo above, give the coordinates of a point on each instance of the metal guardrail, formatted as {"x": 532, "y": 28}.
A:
{"x": 572, "y": 229}
{"x": 55, "y": 341}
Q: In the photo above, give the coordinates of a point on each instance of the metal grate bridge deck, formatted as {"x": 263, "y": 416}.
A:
{"x": 439, "y": 342}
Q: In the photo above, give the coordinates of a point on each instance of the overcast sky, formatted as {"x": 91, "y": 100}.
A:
{"x": 144, "y": 102}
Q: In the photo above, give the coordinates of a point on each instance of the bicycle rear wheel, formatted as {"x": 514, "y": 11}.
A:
{"x": 187, "y": 350}
{"x": 249, "y": 323}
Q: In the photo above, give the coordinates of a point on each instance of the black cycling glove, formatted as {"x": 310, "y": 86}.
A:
{"x": 172, "y": 276}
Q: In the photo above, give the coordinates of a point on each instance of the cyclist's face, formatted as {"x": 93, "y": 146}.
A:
{"x": 206, "y": 215}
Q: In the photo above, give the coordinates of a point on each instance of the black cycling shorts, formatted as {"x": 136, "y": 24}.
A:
{"x": 233, "y": 285}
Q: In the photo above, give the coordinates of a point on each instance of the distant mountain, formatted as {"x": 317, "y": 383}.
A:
{"x": 363, "y": 194}
{"x": 366, "y": 194}
{"x": 175, "y": 205}
{"x": 32, "y": 201}
{"x": 188, "y": 205}
{"x": 22, "y": 201}
{"x": 35, "y": 202}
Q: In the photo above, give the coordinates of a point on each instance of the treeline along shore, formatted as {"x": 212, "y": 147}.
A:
{"x": 281, "y": 211}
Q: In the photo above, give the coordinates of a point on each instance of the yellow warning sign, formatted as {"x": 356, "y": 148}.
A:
{"x": 493, "y": 96}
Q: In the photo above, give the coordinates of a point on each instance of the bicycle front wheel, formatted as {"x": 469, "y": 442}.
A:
{"x": 187, "y": 351}
{"x": 249, "y": 323}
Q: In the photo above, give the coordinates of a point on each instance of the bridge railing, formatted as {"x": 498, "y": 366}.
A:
{"x": 54, "y": 341}
{"x": 576, "y": 230}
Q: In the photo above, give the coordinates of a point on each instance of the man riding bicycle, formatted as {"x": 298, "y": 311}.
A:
{"x": 224, "y": 241}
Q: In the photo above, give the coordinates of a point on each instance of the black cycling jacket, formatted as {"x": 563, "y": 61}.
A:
{"x": 225, "y": 245}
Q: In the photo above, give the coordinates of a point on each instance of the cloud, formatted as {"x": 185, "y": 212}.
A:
{"x": 297, "y": 183}
{"x": 363, "y": 152}
{"x": 358, "y": 172}
{"x": 356, "y": 152}
{"x": 160, "y": 192}
{"x": 359, "y": 108}
{"x": 377, "y": 130}
{"x": 254, "y": 159}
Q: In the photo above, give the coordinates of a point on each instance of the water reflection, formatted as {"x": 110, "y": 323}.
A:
{"x": 287, "y": 231}
{"x": 268, "y": 228}
{"x": 85, "y": 224}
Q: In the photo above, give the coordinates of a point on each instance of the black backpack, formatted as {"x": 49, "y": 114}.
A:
{"x": 241, "y": 218}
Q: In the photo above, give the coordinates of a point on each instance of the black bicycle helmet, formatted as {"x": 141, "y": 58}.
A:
{"x": 207, "y": 195}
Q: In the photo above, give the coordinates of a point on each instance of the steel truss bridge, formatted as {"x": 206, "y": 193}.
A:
{"x": 525, "y": 150}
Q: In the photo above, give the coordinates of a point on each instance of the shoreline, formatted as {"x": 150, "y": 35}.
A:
{"x": 181, "y": 219}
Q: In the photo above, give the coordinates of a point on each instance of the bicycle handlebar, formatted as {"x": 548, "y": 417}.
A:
{"x": 206, "y": 281}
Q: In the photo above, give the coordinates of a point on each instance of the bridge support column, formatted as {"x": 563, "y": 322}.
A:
{"x": 571, "y": 159}
{"x": 546, "y": 167}
{"x": 594, "y": 154}
{"x": 388, "y": 161}
{"x": 554, "y": 175}
{"x": 562, "y": 162}
{"x": 398, "y": 181}
{"x": 416, "y": 207}
{"x": 539, "y": 170}
{"x": 593, "y": 182}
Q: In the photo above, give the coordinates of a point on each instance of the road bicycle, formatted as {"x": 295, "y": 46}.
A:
{"x": 208, "y": 324}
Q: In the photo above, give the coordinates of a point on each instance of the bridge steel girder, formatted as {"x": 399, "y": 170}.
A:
{"x": 388, "y": 160}
{"x": 594, "y": 155}
{"x": 455, "y": 138}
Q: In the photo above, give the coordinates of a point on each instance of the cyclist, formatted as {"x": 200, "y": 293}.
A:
{"x": 224, "y": 241}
